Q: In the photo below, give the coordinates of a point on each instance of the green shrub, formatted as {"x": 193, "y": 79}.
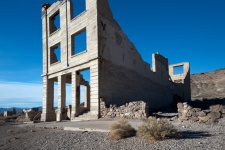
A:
{"x": 154, "y": 129}
{"x": 121, "y": 130}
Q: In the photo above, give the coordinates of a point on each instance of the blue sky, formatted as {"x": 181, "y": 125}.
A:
{"x": 181, "y": 30}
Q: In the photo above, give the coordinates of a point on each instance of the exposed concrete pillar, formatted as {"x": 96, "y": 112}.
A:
{"x": 87, "y": 96}
{"x": 75, "y": 95}
{"x": 94, "y": 90}
{"x": 48, "y": 113}
{"x": 61, "y": 97}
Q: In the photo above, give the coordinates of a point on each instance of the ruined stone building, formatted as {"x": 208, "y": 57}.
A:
{"x": 118, "y": 73}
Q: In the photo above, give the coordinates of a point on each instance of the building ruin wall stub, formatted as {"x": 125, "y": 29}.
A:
{"x": 183, "y": 88}
{"x": 123, "y": 73}
{"x": 125, "y": 54}
{"x": 120, "y": 85}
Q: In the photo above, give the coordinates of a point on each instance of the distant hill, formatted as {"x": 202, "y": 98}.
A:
{"x": 17, "y": 109}
{"x": 209, "y": 85}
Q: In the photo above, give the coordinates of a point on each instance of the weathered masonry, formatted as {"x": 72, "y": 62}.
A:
{"x": 117, "y": 72}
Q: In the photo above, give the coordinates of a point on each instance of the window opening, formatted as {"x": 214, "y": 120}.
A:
{"x": 79, "y": 42}
{"x": 85, "y": 90}
{"x": 68, "y": 94}
{"x": 55, "y": 54}
{"x": 86, "y": 74}
{"x": 54, "y": 22}
{"x": 55, "y": 95}
{"x": 178, "y": 70}
{"x": 78, "y": 6}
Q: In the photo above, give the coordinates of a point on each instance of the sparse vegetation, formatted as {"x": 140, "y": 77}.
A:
{"x": 121, "y": 130}
{"x": 2, "y": 122}
{"x": 154, "y": 129}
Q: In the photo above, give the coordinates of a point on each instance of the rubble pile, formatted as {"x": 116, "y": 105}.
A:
{"x": 32, "y": 114}
{"x": 9, "y": 113}
{"x": 212, "y": 115}
{"x": 136, "y": 109}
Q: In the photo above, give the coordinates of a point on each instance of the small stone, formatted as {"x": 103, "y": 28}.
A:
{"x": 194, "y": 119}
{"x": 201, "y": 114}
{"x": 197, "y": 109}
{"x": 203, "y": 119}
{"x": 180, "y": 106}
{"x": 214, "y": 116}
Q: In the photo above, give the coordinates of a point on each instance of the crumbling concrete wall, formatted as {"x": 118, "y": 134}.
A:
{"x": 31, "y": 113}
{"x": 124, "y": 76}
{"x": 9, "y": 113}
{"x": 181, "y": 81}
{"x": 118, "y": 73}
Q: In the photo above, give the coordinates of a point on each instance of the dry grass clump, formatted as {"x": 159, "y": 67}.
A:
{"x": 121, "y": 130}
{"x": 154, "y": 129}
{"x": 2, "y": 122}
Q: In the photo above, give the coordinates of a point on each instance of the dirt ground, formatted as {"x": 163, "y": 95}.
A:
{"x": 192, "y": 136}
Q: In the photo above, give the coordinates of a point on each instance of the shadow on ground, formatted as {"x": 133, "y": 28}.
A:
{"x": 167, "y": 116}
{"x": 192, "y": 134}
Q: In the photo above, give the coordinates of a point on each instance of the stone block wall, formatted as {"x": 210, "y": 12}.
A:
{"x": 134, "y": 110}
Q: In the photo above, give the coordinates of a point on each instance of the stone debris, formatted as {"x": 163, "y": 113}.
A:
{"x": 9, "y": 113}
{"x": 32, "y": 114}
{"x": 187, "y": 113}
{"x": 135, "y": 110}
{"x": 63, "y": 114}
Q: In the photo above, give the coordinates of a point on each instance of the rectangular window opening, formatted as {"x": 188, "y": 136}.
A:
{"x": 68, "y": 90}
{"x": 178, "y": 70}
{"x": 55, "y": 53}
{"x": 77, "y": 6}
{"x": 79, "y": 42}
{"x": 55, "y": 95}
{"x": 85, "y": 90}
{"x": 54, "y": 22}
{"x": 86, "y": 75}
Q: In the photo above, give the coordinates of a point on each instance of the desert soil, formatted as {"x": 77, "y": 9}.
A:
{"x": 192, "y": 136}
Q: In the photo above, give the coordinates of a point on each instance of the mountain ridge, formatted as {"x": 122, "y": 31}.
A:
{"x": 208, "y": 85}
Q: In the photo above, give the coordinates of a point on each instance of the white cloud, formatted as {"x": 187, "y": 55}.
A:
{"x": 18, "y": 94}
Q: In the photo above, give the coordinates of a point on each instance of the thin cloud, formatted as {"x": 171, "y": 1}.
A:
{"x": 18, "y": 94}
{"x": 26, "y": 95}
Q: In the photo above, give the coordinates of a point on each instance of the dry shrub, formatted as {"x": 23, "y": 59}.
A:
{"x": 121, "y": 130}
{"x": 154, "y": 129}
{"x": 2, "y": 122}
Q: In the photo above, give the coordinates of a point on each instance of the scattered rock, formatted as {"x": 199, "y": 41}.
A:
{"x": 201, "y": 114}
{"x": 136, "y": 109}
{"x": 197, "y": 115}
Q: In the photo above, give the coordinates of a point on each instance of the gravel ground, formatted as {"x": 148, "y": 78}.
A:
{"x": 193, "y": 136}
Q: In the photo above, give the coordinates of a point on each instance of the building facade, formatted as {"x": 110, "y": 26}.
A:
{"x": 118, "y": 73}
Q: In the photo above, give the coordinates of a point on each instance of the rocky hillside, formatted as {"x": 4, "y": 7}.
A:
{"x": 209, "y": 85}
